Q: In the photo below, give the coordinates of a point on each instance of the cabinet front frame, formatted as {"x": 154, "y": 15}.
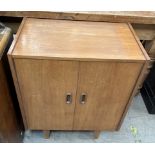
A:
{"x": 127, "y": 104}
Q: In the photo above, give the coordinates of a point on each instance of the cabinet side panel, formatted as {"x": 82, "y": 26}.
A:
{"x": 138, "y": 82}
{"x": 16, "y": 84}
{"x": 108, "y": 87}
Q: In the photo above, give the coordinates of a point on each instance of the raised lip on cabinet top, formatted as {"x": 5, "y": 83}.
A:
{"x": 77, "y": 40}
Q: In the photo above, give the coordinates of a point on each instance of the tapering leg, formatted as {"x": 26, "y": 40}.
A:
{"x": 46, "y": 134}
{"x": 96, "y": 134}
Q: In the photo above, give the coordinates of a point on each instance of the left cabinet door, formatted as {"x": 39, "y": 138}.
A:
{"x": 44, "y": 85}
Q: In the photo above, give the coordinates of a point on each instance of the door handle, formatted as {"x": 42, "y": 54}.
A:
{"x": 69, "y": 98}
{"x": 83, "y": 98}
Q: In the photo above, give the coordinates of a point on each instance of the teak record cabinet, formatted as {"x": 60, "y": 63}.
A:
{"x": 75, "y": 75}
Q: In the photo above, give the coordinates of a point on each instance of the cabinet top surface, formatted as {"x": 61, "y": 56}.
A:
{"x": 77, "y": 40}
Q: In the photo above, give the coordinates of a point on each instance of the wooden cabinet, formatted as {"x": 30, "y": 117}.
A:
{"x": 10, "y": 119}
{"x": 75, "y": 75}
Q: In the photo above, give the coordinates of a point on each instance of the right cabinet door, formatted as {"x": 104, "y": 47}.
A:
{"x": 103, "y": 91}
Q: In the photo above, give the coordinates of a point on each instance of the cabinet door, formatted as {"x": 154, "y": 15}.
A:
{"x": 44, "y": 85}
{"x": 107, "y": 87}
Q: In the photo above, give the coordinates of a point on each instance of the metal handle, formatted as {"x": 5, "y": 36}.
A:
{"x": 69, "y": 98}
{"x": 83, "y": 98}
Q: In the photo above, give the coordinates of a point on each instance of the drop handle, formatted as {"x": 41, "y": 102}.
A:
{"x": 69, "y": 98}
{"x": 83, "y": 98}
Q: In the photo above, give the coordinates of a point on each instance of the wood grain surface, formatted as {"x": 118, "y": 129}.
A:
{"x": 9, "y": 131}
{"x": 14, "y": 74}
{"x": 10, "y": 118}
{"x": 108, "y": 87}
{"x": 44, "y": 85}
{"x": 4, "y": 39}
{"x": 143, "y": 17}
{"x": 76, "y": 40}
{"x": 52, "y": 58}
